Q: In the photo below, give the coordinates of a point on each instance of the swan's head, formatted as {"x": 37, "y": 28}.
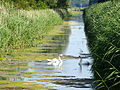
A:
{"x": 61, "y": 55}
{"x": 80, "y": 57}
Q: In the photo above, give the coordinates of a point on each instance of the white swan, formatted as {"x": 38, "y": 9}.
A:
{"x": 55, "y": 61}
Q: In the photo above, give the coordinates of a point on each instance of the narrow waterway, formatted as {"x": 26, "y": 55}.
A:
{"x": 70, "y": 75}
{"x": 71, "y": 42}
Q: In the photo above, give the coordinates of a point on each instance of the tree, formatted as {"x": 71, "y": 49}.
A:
{"x": 36, "y": 4}
{"x": 41, "y": 4}
{"x": 52, "y": 3}
{"x": 63, "y": 3}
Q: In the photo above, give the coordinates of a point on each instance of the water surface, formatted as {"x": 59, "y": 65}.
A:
{"x": 28, "y": 68}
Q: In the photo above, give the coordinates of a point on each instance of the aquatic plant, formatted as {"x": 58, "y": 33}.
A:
{"x": 19, "y": 85}
{"x": 103, "y": 34}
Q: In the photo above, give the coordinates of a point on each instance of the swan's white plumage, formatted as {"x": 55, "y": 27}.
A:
{"x": 55, "y": 61}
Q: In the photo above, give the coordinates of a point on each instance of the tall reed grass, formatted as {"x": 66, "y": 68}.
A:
{"x": 102, "y": 26}
{"x": 20, "y": 28}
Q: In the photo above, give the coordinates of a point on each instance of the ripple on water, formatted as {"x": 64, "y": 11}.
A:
{"x": 27, "y": 68}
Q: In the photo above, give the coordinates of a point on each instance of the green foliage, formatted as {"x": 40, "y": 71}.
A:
{"x": 103, "y": 32}
{"x": 20, "y": 28}
{"x": 63, "y": 3}
{"x": 52, "y": 3}
{"x": 39, "y": 4}
{"x": 100, "y": 1}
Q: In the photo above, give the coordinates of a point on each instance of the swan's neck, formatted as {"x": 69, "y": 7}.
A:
{"x": 80, "y": 60}
{"x": 59, "y": 58}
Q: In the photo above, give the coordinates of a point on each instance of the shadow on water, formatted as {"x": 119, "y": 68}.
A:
{"x": 77, "y": 83}
{"x": 29, "y": 69}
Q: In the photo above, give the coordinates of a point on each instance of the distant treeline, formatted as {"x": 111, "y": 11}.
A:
{"x": 39, "y": 4}
{"x": 99, "y": 1}
{"x": 79, "y": 3}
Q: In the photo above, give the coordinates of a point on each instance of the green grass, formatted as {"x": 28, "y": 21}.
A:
{"x": 102, "y": 25}
{"x": 20, "y": 28}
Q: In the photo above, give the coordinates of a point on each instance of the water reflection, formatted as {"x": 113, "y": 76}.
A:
{"x": 70, "y": 70}
{"x": 71, "y": 40}
{"x": 77, "y": 40}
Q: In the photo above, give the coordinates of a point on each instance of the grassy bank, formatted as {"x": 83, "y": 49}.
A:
{"x": 102, "y": 25}
{"x": 20, "y": 28}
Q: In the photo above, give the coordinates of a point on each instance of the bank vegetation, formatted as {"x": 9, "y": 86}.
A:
{"x": 102, "y": 26}
{"x": 20, "y": 28}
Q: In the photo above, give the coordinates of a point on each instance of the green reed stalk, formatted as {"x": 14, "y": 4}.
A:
{"x": 20, "y": 28}
{"x": 103, "y": 33}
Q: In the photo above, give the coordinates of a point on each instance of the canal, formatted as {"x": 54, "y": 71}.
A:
{"x": 29, "y": 68}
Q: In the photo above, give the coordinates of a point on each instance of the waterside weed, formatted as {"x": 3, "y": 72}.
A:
{"x": 103, "y": 34}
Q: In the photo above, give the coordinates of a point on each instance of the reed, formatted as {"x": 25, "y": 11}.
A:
{"x": 20, "y": 28}
{"x": 102, "y": 26}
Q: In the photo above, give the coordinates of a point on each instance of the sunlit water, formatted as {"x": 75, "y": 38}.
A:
{"x": 69, "y": 70}
{"x": 68, "y": 76}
